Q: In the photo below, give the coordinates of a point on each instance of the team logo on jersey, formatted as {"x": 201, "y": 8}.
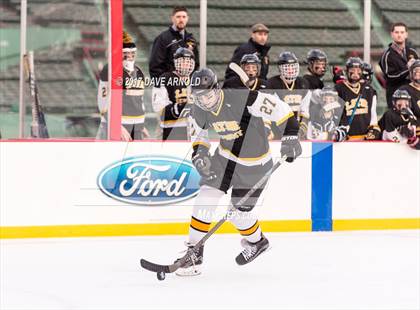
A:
{"x": 151, "y": 180}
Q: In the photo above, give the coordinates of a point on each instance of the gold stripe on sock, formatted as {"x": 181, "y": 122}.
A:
{"x": 199, "y": 225}
{"x": 250, "y": 230}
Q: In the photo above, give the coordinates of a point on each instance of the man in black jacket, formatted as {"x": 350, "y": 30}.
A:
{"x": 166, "y": 44}
{"x": 396, "y": 60}
{"x": 258, "y": 45}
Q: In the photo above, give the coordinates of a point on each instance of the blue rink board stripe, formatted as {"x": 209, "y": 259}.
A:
{"x": 321, "y": 202}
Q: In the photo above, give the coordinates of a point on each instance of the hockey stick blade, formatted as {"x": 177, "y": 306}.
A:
{"x": 169, "y": 268}
{"x": 240, "y": 72}
{"x": 173, "y": 267}
{"x": 156, "y": 267}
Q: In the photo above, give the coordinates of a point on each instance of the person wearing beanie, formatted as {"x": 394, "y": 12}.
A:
{"x": 258, "y": 45}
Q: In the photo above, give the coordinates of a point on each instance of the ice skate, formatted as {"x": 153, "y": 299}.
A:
{"x": 192, "y": 266}
{"x": 251, "y": 250}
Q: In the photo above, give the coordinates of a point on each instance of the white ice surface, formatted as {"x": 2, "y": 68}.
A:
{"x": 340, "y": 270}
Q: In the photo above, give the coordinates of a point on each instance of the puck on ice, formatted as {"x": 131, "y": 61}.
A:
{"x": 160, "y": 275}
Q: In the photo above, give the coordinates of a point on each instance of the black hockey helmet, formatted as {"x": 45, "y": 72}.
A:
{"x": 367, "y": 72}
{"x": 251, "y": 59}
{"x": 287, "y": 58}
{"x": 414, "y": 65}
{"x": 317, "y": 62}
{"x": 353, "y": 62}
{"x": 400, "y": 94}
{"x": 183, "y": 52}
{"x": 205, "y": 89}
{"x": 288, "y": 66}
{"x": 184, "y": 61}
{"x": 315, "y": 54}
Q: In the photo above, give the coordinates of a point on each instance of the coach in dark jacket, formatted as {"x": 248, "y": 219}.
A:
{"x": 396, "y": 60}
{"x": 165, "y": 45}
{"x": 256, "y": 44}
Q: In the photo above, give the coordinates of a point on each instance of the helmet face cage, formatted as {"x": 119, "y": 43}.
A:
{"x": 289, "y": 71}
{"x": 184, "y": 66}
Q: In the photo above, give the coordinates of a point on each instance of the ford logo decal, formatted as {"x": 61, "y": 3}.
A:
{"x": 151, "y": 180}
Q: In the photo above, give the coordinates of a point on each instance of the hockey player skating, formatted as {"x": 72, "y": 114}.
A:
{"x": 240, "y": 161}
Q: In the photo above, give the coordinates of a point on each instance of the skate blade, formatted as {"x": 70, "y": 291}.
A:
{"x": 188, "y": 272}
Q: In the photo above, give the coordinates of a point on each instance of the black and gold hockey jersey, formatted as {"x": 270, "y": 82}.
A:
{"x": 240, "y": 126}
{"x": 313, "y": 81}
{"x": 415, "y": 98}
{"x": 296, "y": 95}
{"x": 394, "y": 126}
{"x": 364, "y": 96}
{"x": 236, "y": 83}
{"x": 133, "y": 111}
{"x": 171, "y": 96}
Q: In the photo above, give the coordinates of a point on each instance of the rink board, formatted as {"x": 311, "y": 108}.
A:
{"x": 50, "y": 189}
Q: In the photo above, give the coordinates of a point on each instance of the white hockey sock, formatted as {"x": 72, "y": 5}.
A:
{"x": 247, "y": 224}
{"x": 205, "y": 204}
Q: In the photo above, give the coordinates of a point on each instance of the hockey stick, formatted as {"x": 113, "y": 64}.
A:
{"x": 161, "y": 270}
{"x": 356, "y": 106}
{"x": 240, "y": 72}
{"x": 38, "y": 125}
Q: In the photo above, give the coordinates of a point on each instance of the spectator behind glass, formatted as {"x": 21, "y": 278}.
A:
{"x": 257, "y": 45}
{"x": 166, "y": 44}
{"x": 133, "y": 111}
{"x": 396, "y": 60}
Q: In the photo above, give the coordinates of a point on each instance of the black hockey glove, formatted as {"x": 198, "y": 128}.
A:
{"x": 290, "y": 146}
{"x": 408, "y": 114}
{"x": 408, "y": 131}
{"x": 374, "y": 133}
{"x": 340, "y": 133}
{"x": 201, "y": 161}
{"x": 414, "y": 142}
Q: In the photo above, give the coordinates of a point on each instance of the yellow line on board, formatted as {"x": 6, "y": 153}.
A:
{"x": 109, "y": 230}
{"x": 372, "y": 224}
{"x": 154, "y": 229}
